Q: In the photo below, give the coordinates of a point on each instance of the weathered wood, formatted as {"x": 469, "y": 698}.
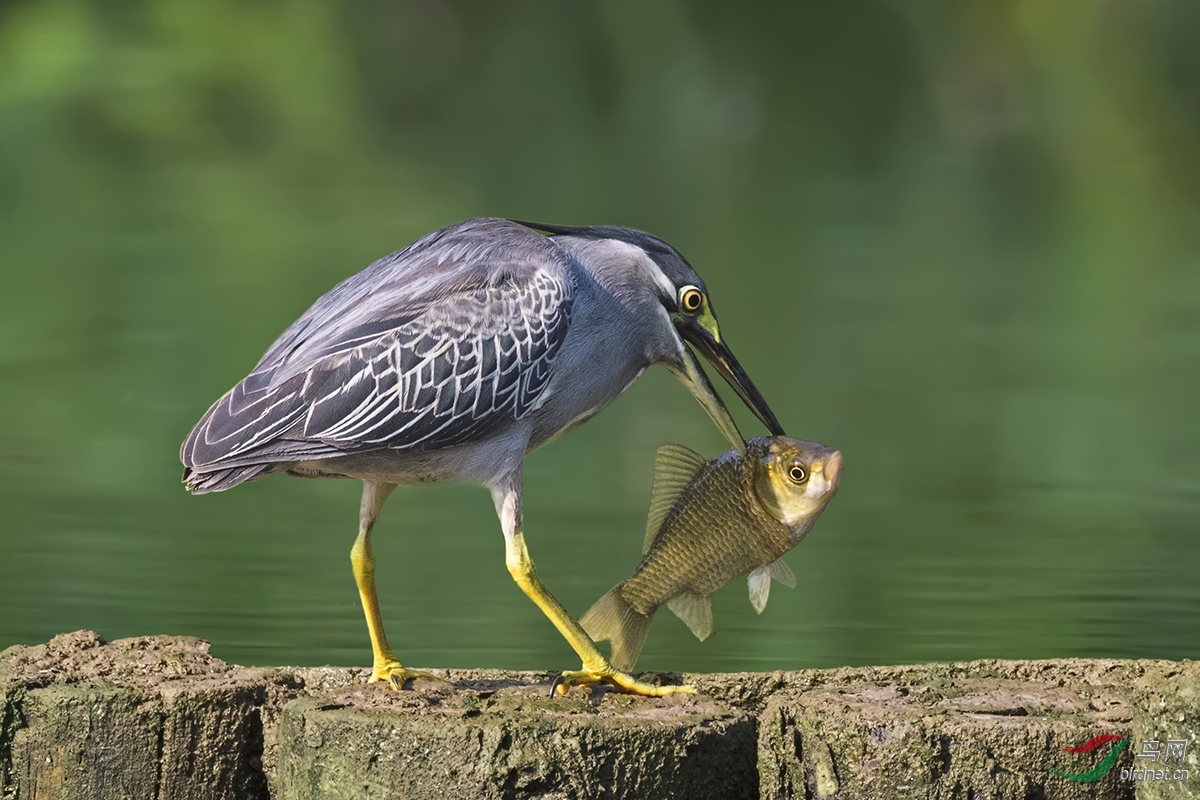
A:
{"x": 154, "y": 718}
{"x": 1167, "y": 704}
{"x": 160, "y": 718}
{"x": 516, "y": 742}
{"x": 979, "y": 730}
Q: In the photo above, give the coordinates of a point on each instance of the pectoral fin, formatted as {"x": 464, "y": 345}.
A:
{"x": 675, "y": 466}
{"x": 696, "y": 613}
{"x": 760, "y": 582}
{"x": 760, "y": 588}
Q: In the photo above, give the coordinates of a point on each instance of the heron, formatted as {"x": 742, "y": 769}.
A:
{"x": 450, "y": 360}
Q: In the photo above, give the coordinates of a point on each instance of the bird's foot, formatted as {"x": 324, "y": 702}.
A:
{"x": 397, "y": 675}
{"x": 621, "y": 681}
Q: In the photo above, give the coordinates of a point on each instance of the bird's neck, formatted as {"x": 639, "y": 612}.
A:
{"x": 622, "y": 270}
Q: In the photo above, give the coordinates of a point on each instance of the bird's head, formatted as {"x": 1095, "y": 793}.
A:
{"x": 672, "y": 282}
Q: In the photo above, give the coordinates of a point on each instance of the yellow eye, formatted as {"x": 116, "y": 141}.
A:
{"x": 797, "y": 474}
{"x": 690, "y": 299}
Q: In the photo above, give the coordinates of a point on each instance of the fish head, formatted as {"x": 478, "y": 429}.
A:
{"x": 793, "y": 479}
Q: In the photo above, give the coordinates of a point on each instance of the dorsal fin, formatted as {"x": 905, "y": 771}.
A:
{"x": 760, "y": 582}
{"x": 675, "y": 466}
{"x": 696, "y": 613}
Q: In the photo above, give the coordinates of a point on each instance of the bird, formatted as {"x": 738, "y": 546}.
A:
{"x": 451, "y": 359}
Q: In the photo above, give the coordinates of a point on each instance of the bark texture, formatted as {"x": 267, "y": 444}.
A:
{"x": 159, "y": 718}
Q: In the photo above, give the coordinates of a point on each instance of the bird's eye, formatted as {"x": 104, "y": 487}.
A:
{"x": 690, "y": 299}
{"x": 797, "y": 474}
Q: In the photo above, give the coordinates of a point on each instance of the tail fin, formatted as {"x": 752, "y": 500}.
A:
{"x": 612, "y": 618}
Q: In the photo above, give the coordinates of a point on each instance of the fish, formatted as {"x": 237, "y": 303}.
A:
{"x": 711, "y": 521}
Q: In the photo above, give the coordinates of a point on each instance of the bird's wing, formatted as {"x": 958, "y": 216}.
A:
{"x": 439, "y": 344}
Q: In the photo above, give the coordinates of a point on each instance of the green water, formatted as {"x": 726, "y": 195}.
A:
{"x": 960, "y": 244}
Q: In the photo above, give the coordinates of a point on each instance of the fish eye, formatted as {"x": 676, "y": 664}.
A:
{"x": 690, "y": 299}
{"x": 797, "y": 473}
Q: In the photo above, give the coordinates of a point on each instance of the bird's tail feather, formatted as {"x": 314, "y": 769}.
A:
{"x": 221, "y": 479}
{"x": 614, "y": 619}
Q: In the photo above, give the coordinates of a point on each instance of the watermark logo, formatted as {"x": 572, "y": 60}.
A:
{"x": 1156, "y": 752}
{"x": 1152, "y": 750}
{"x": 1104, "y": 767}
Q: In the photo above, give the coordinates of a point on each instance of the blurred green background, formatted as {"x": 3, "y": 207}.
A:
{"x": 958, "y": 241}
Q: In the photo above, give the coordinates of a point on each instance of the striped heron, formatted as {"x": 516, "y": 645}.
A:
{"x": 451, "y": 359}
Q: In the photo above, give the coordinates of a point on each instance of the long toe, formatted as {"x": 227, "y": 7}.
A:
{"x": 398, "y": 675}
{"x": 621, "y": 681}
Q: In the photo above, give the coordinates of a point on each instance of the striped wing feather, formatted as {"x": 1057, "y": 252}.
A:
{"x": 457, "y": 338}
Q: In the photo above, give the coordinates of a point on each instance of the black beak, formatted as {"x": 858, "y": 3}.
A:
{"x": 721, "y": 357}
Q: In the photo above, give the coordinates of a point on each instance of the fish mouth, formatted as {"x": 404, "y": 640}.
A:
{"x": 831, "y": 471}
{"x": 833, "y": 467}
{"x": 717, "y": 353}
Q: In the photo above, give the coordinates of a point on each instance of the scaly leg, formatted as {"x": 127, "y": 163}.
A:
{"x": 506, "y": 494}
{"x": 386, "y": 666}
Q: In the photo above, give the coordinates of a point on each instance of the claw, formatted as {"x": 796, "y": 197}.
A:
{"x": 397, "y": 675}
{"x": 621, "y": 681}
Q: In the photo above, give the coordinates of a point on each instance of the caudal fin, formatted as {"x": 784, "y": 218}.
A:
{"x": 612, "y": 618}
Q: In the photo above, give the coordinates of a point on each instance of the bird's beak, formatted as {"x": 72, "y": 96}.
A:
{"x": 702, "y": 333}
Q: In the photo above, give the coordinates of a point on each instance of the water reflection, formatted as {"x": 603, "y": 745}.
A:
{"x": 959, "y": 245}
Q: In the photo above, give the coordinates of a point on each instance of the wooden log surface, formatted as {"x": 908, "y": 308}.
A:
{"x": 160, "y": 718}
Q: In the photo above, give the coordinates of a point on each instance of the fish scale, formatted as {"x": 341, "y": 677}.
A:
{"x": 719, "y": 504}
{"x": 711, "y": 521}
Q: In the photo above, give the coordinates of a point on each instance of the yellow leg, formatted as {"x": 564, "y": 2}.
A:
{"x": 386, "y": 666}
{"x": 596, "y": 668}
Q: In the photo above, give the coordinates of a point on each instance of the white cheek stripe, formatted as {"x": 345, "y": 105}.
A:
{"x": 659, "y": 276}
{"x": 680, "y": 347}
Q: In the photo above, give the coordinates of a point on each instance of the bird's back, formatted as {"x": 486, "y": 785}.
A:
{"x": 442, "y": 343}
